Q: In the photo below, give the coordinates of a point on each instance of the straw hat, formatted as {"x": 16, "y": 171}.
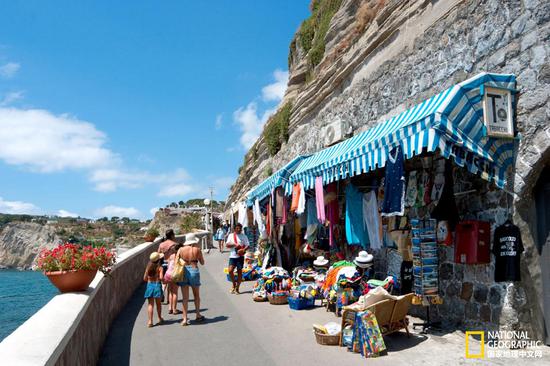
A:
{"x": 320, "y": 261}
{"x": 363, "y": 260}
{"x": 155, "y": 256}
{"x": 191, "y": 239}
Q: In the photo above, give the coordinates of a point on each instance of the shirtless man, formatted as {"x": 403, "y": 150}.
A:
{"x": 192, "y": 255}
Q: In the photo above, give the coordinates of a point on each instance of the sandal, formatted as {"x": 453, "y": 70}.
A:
{"x": 176, "y": 312}
{"x": 186, "y": 323}
{"x": 161, "y": 321}
{"x": 149, "y": 325}
{"x": 200, "y": 318}
{"x": 170, "y": 312}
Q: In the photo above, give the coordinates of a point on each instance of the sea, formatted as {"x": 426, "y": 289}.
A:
{"x": 22, "y": 294}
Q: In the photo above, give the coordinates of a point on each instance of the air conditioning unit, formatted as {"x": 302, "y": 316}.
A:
{"x": 334, "y": 132}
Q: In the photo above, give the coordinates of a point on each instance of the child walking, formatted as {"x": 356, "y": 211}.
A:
{"x": 153, "y": 276}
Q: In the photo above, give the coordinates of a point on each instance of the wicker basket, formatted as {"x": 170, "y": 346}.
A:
{"x": 326, "y": 339}
{"x": 277, "y": 300}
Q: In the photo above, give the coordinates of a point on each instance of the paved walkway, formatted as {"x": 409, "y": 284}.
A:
{"x": 241, "y": 332}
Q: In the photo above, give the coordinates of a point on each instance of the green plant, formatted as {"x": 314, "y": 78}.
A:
{"x": 268, "y": 171}
{"x": 190, "y": 222}
{"x": 241, "y": 169}
{"x": 276, "y": 131}
{"x": 313, "y": 30}
{"x": 152, "y": 232}
{"x": 68, "y": 257}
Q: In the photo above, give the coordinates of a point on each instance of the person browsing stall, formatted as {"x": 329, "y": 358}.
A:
{"x": 238, "y": 243}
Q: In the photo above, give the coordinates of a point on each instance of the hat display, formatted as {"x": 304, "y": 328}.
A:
{"x": 155, "y": 256}
{"x": 363, "y": 260}
{"x": 320, "y": 261}
{"x": 191, "y": 239}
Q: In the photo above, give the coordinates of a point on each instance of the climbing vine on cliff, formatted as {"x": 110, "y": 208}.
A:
{"x": 314, "y": 29}
{"x": 276, "y": 130}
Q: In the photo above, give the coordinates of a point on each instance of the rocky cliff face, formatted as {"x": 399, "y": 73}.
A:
{"x": 20, "y": 243}
{"x": 382, "y": 57}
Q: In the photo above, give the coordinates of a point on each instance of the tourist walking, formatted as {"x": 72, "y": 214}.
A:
{"x": 172, "y": 287}
{"x": 238, "y": 243}
{"x": 167, "y": 247}
{"x": 221, "y": 233}
{"x": 192, "y": 256}
{"x": 153, "y": 293}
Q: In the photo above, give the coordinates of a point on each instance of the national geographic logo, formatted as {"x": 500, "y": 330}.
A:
{"x": 502, "y": 344}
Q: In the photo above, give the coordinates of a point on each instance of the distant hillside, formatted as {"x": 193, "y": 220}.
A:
{"x": 23, "y": 236}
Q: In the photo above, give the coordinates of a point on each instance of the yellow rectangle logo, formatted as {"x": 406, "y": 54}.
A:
{"x": 480, "y": 333}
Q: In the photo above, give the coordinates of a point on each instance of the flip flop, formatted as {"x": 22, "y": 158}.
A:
{"x": 200, "y": 319}
{"x": 185, "y": 324}
{"x": 149, "y": 325}
{"x": 170, "y": 312}
{"x": 161, "y": 321}
{"x": 176, "y": 312}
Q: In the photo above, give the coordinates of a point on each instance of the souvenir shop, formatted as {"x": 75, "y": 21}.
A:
{"x": 359, "y": 225}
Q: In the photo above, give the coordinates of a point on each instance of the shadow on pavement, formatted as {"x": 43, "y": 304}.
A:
{"x": 217, "y": 319}
{"x": 399, "y": 341}
{"x": 116, "y": 349}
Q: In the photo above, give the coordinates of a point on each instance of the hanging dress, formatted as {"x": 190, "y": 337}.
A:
{"x": 394, "y": 184}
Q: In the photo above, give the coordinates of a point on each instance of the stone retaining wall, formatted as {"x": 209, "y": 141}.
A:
{"x": 71, "y": 328}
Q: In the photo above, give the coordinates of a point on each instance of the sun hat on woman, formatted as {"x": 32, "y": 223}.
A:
{"x": 191, "y": 239}
{"x": 155, "y": 256}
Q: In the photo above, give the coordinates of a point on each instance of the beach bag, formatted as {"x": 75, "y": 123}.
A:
{"x": 178, "y": 272}
{"x": 169, "y": 270}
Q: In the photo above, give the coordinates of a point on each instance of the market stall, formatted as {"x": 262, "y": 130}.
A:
{"x": 381, "y": 205}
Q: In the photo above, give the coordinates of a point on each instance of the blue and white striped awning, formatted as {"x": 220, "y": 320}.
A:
{"x": 451, "y": 121}
{"x": 277, "y": 179}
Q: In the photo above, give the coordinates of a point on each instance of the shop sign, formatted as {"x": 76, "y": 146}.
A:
{"x": 497, "y": 112}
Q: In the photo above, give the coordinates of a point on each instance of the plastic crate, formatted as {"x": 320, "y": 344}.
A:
{"x": 300, "y": 304}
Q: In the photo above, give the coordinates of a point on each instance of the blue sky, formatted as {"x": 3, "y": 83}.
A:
{"x": 115, "y": 108}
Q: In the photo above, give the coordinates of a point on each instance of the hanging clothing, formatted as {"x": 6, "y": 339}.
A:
{"x": 279, "y": 197}
{"x": 372, "y": 219}
{"x": 242, "y": 215}
{"x": 285, "y": 211}
{"x": 507, "y": 248}
{"x": 423, "y": 182}
{"x": 412, "y": 190}
{"x": 446, "y": 207}
{"x": 355, "y": 224}
{"x": 258, "y": 216}
{"x": 320, "y": 199}
{"x": 406, "y": 277}
{"x": 438, "y": 185}
{"x": 301, "y": 200}
{"x": 295, "y": 197}
{"x": 333, "y": 214}
{"x": 312, "y": 221}
{"x": 394, "y": 184}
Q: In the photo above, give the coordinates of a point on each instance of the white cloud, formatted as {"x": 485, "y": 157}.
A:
{"x": 109, "y": 180}
{"x": 9, "y": 70}
{"x": 250, "y": 120}
{"x": 18, "y": 207}
{"x": 10, "y": 98}
{"x": 112, "y": 210}
{"x": 276, "y": 91}
{"x": 219, "y": 121}
{"x": 64, "y": 213}
{"x": 250, "y": 123}
{"x": 44, "y": 142}
{"x": 178, "y": 189}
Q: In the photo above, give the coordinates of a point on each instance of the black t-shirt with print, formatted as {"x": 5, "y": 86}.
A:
{"x": 507, "y": 248}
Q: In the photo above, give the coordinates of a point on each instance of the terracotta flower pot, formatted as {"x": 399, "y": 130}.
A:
{"x": 71, "y": 281}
